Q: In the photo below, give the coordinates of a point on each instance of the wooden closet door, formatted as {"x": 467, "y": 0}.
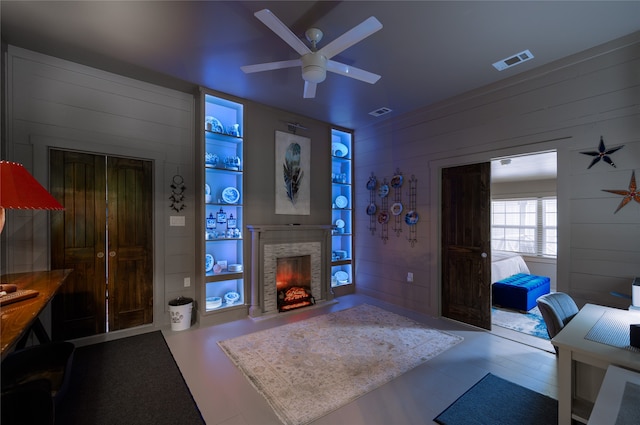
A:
{"x": 78, "y": 242}
{"x": 130, "y": 238}
{"x": 108, "y": 216}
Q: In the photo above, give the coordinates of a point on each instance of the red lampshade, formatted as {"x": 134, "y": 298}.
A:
{"x": 19, "y": 190}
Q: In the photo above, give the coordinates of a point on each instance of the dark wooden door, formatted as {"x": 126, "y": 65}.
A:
{"x": 78, "y": 242}
{"x": 105, "y": 235}
{"x": 466, "y": 244}
{"x": 130, "y": 283}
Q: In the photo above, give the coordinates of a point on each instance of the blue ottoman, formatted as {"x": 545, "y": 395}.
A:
{"x": 520, "y": 291}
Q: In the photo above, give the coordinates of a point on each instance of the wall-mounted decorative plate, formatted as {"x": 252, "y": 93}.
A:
{"x": 383, "y": 190}
{"x": 396, "y": 208}
{"x": 383, "y": 217}
{"x": 371, "y": 209}
{"x": 372, "y": 183}
{"x": 411, "y": 218}
{"x": 396, "y": 181}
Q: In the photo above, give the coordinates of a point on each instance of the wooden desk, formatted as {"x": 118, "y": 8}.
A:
{"x": 16, "y": 319}
{"x": 582, "y": 363}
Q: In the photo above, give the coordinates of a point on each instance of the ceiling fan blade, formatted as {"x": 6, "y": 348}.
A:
{"x": 351, "y": 37}
{"x": 309, "y": 90}
{"x": 353, "y": 72}
{"x": 270, "y": 66}
{"x": 276, "y": 25}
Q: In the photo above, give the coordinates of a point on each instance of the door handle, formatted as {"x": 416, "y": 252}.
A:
{"x": 112, "y": 254}
{"x": 100, "y": 255}
{"x": 483, "y": 255}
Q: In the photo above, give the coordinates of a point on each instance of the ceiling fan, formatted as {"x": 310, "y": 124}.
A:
{"x": 315, "y": 63}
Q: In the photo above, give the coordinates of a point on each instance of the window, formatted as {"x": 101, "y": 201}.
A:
{"x": 527, "y": 226}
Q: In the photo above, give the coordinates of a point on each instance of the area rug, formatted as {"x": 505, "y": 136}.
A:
{"x": 495, "y": 401}
{"x": 530, "y": 322}
{"x": 310, "y": 368}
{"x": 133, "y": 380}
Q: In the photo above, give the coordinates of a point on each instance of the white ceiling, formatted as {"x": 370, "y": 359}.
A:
{"x": 426, "y": 52}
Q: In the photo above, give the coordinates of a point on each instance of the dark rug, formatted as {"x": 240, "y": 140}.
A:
{"x": 495, "y": 401}
{"x": 133, "y": 380}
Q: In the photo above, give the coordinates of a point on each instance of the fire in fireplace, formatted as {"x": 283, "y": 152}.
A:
{"x": 293, "y": 282}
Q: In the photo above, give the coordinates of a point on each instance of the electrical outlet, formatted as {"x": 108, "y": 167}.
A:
{"x": 409, "y": 277}
{"x": 187, "y": 282}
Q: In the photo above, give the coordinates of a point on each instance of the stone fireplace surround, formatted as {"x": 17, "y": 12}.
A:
{"x": 270, "y": 242}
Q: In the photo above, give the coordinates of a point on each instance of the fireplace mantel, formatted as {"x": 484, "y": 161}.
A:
{"x": 298, "y": 236}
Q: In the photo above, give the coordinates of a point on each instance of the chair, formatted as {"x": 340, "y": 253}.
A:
{"x": 557, "y": 309}
{"x": 28, "y": 403}
{"x": 50, "y": 362}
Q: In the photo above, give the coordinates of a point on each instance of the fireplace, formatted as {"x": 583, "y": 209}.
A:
{"x": 303, "y": 253}
{"x": 293, "y": 282}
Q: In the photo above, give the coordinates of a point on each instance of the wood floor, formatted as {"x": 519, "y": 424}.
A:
{"x": 225, "y": 396}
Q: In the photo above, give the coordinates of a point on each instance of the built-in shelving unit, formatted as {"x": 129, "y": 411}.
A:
{"x": 223, "y": 286}
{"x": 342, "y": 208}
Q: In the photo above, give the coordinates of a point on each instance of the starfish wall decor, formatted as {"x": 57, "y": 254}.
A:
{"x": 602, "y": 154}
{"x": 629, "y": 195}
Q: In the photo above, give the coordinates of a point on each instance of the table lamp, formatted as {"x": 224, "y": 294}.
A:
{"x": 19, "y": 190}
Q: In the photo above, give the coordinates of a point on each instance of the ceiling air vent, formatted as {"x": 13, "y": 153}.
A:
{"x": 380, "y": 111}
{"x": 513, "y": 60}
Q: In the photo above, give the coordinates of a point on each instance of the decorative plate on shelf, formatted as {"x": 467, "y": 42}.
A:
{"x": 230, "y": 195}
{"x": 213, "y": 302}
{"x": 213, "y": 124}
{"x": 340, "y": 223}
{"x": 396, "y": 208}
{"x": 207, "y": 189}
{"x": 339, "y": 150}
{"x": 208, "y": 262}
{"x": 342, "y": 201}
{"x": 396, "y": 181}
{"x": 411, "y": 218}
{"x": 383, "y": 217}
{"x": 342, "y": 276}
{"x": 371, "y": 209}
{"x": 383, "y": 190}
{"x": 372, "y": 183}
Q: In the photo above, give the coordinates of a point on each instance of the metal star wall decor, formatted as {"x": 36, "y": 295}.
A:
{"x": 629, "y": 195}
{"x": 602, "y": 154}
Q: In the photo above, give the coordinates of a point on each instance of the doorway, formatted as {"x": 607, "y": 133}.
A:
{"x": 466, "y": 232}
{"x": 524, "y": 235}
{"x": 105, "y": 235}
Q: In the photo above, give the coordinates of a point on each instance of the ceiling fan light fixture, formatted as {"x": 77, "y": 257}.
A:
{"x": 314, "y": 67}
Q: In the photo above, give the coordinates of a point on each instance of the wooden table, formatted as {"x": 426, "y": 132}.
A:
{"x": 18, "y": 318}
{"x": 582, "y": 362}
